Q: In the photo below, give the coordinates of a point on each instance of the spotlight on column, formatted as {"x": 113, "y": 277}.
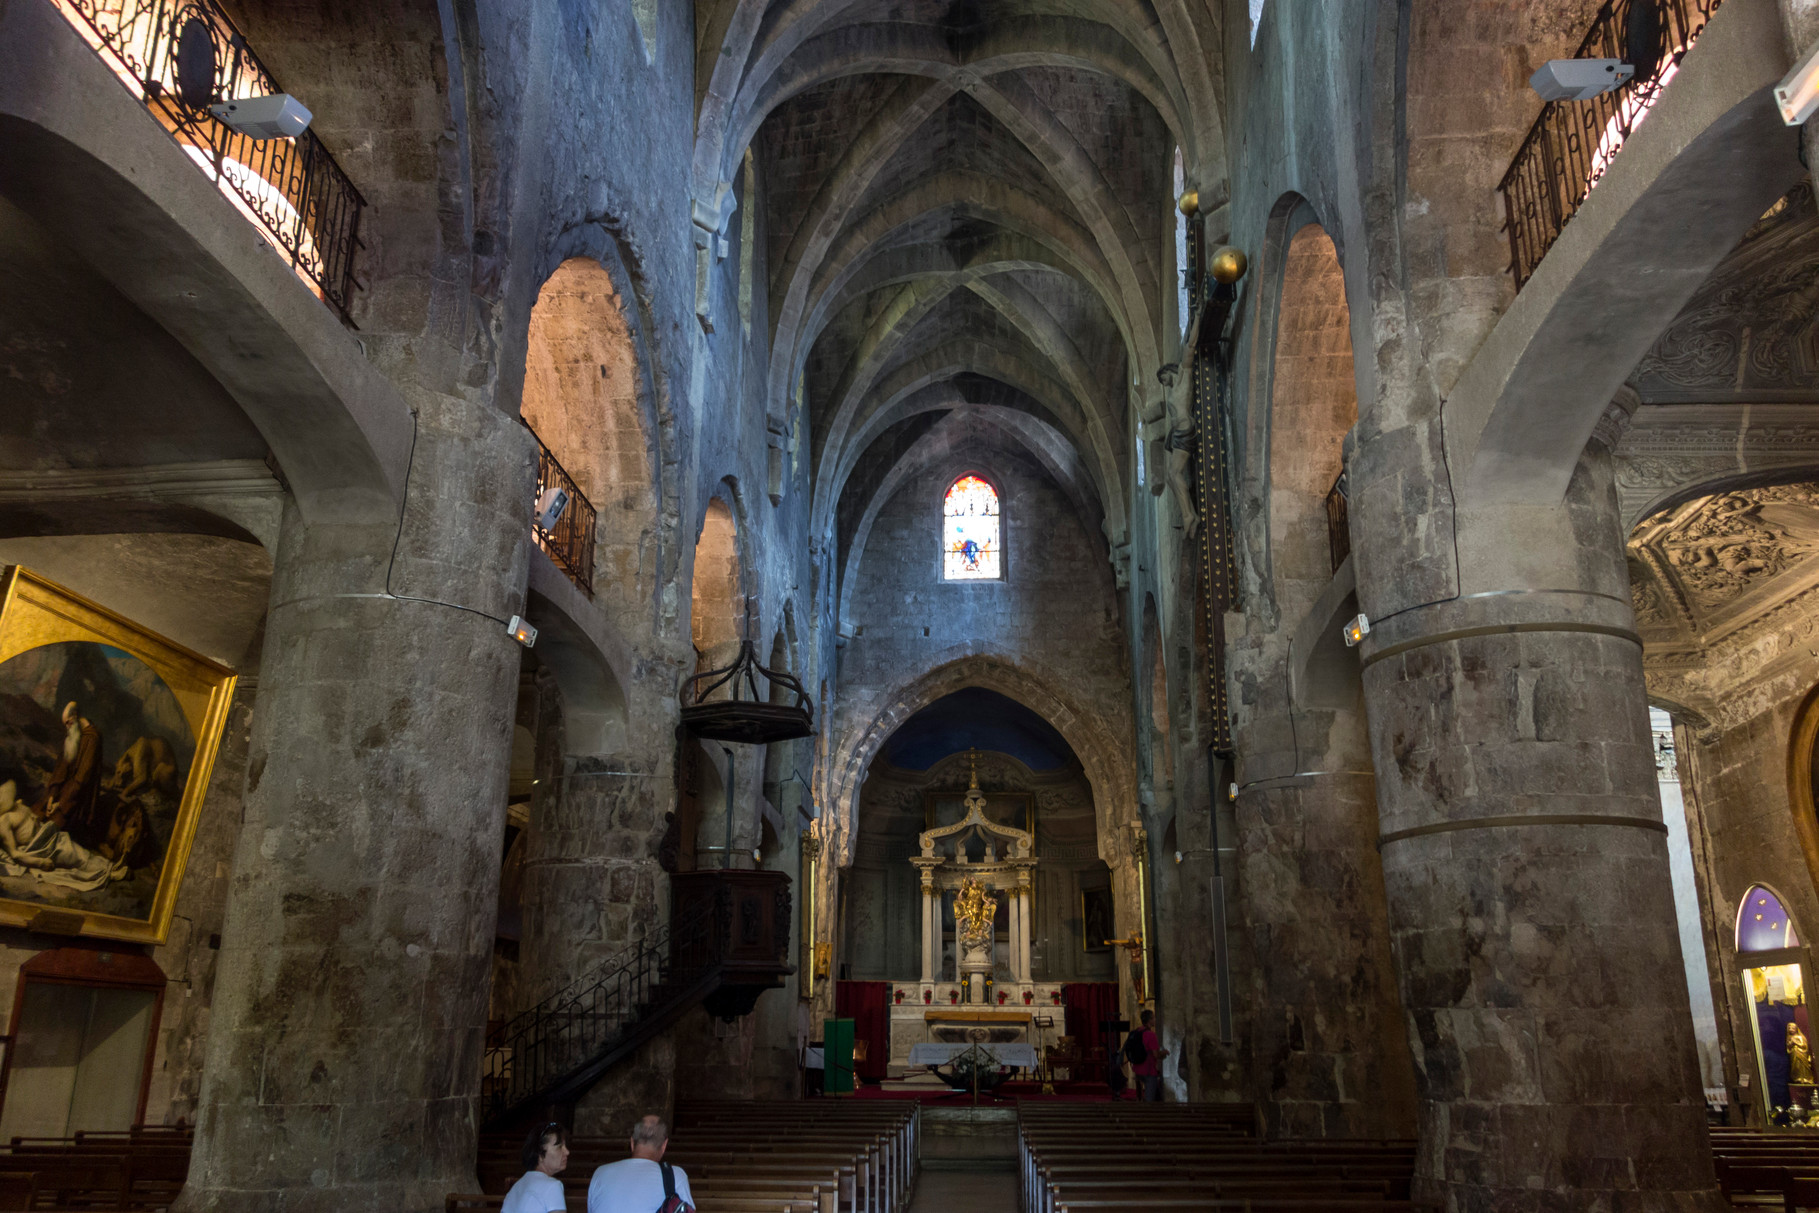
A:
{"x": 279, "y": 116}
{"x": 1798, "y": 93}
{"x": 550, "y": 504}
{"x": 1356, "y": 630}
{"x": 522, "y": 631}
{"x": 1579, "y": 79}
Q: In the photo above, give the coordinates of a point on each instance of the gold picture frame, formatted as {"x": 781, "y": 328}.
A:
{"x": 99, "y": 805}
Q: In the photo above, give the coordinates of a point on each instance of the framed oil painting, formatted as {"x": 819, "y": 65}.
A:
{"x": 1096, "y": 919}
{"x": 108, "y": 734}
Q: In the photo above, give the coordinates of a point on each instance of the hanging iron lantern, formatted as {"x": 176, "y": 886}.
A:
{"x": 750, "y": 720}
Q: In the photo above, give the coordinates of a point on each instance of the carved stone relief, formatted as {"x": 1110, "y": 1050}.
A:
{"x": 1752, "y": 331}
{"x": 1717, "y": 565}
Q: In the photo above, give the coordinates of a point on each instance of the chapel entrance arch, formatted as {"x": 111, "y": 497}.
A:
{"x": 1776, "y": 966}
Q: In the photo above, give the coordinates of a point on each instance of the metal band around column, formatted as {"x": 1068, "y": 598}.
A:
{"x": 1500, "y": 629}
{"x": 1522, "y": 819}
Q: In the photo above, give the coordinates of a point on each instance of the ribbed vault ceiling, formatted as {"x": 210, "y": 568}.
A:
{"x": 967, "y": 224}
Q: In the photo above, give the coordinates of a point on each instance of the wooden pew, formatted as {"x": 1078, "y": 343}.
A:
{"x": 1186, "y": 1156}
{"x": 757, "y": 1157}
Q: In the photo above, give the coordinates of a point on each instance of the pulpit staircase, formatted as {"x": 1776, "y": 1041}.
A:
{"x": 727, "y": 942}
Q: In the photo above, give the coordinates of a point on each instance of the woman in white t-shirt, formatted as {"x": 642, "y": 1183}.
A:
{"x": 539, "y": 1191}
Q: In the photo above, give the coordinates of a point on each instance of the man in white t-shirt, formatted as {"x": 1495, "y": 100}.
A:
{"x": 635, "y": 1184}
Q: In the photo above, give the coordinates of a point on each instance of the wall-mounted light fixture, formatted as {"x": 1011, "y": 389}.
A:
{"x": 1798, "y": 93}
{"x": 522, "y": 631}
{"x": 1355, "y": 630}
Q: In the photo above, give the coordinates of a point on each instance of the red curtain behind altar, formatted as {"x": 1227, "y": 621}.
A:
{"x": 1088, "y": 1003}
{"x": 868, "y": 1005}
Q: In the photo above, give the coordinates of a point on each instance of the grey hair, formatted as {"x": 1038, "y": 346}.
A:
{"x": 650, "y": 1132}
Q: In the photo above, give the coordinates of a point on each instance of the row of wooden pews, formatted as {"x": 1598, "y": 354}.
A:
{"x": 797, "y": 1156}
{"x": 139, "y": 1169}
{"x": 1768, "y": 1168}
{"x": 1138, "y": 1156}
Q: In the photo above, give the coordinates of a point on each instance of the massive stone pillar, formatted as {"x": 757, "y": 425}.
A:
{"x": 1329, "y": 1050}
{"x": 350, "y": 1000}
{"x": 1523, "y": 850}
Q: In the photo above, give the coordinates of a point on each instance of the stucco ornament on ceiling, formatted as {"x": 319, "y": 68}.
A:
{"x": 1714, "y": 565}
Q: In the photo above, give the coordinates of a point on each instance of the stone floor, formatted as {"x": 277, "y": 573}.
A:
{"x": 978, "y": 1189}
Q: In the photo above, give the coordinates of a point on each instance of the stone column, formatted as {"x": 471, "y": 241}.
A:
{"x": 1313, "y": 897}
{"x": 1024, "y": 916}
{"x": 928, "y": 929}
{"x": 350, "y": 1000}
{"x": 1524, "y": 856}
{"x": 1012, "y": 933}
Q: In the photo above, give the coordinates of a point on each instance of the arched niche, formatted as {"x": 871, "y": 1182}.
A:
{"x": 581, "y": 396}
{"x": 717, "y": 602}
{"x": 593, "y": 698}
{"x": 1776, "y": 969}
{"x": 1313, "y": 405}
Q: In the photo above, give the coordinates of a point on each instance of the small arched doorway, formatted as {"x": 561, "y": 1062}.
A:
{"x": 1775, "y": 969}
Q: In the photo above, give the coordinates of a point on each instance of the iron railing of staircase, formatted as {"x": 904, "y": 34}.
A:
{"x": 1572, "y": 143}
{"x": 533, "y": 1052}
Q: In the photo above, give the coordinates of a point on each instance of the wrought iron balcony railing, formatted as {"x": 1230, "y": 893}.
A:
{"x": 181, "y": 56}
{"x": 570, "y": 542}
{"x": 1339, "y": 521}
{"x": 1572, "y": 143}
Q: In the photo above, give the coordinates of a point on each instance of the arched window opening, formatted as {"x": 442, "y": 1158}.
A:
{"x": 717, "y": 611}
{"x": 1313, "y": 404}
{"x": 970, "y": 545}
{"x": 580, "y": 399}
{"x": 1774, "y": 984}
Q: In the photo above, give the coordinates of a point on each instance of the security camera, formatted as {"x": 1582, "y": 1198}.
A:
{"x": 279, "y": 116}
{"x": 1579, "y": 79}
{"x": 550, "y": 504}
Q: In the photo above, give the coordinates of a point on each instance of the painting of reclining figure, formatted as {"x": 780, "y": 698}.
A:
{"x": 107, "y": 735}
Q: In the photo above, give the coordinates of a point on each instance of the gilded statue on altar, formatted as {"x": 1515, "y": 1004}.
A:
{"x": 974, "y": 909}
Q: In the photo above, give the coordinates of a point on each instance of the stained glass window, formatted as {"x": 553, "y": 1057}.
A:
{"x": 969, "y": 531}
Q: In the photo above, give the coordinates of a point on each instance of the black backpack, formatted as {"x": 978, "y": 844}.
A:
{"x": 671, "y": 1202}
{"x": 1134, "y": 1052}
